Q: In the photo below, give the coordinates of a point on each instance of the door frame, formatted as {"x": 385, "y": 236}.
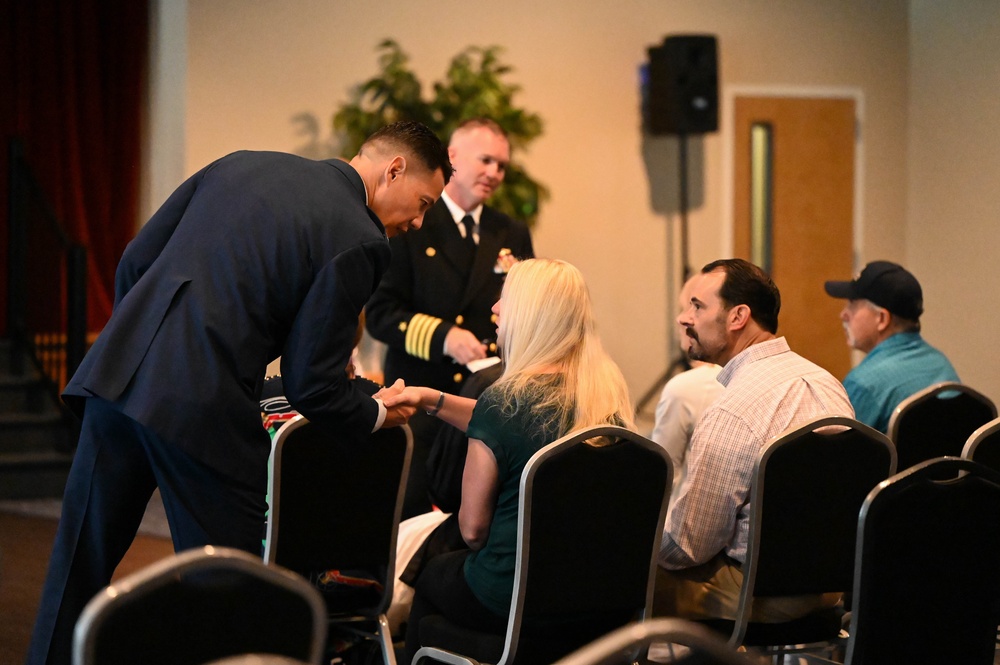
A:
{"x": 729, "y": 94}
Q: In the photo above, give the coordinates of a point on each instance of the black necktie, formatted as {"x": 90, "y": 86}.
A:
{"x": 469, "y": 224}
{"x": 470, "y": 242}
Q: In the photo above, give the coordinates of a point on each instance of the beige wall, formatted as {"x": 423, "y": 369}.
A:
{"x": 954, "y": 181}
{"x": 252, "y": 66}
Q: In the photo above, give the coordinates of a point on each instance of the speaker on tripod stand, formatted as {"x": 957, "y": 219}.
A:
{"x": 682, "y": 86}
{"x": 680, "y": 97}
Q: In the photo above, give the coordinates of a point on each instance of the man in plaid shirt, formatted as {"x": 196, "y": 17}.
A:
{"x": 732, "y": 320}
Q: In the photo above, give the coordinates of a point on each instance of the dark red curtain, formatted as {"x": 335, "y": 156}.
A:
{"x": 73, "y": 76}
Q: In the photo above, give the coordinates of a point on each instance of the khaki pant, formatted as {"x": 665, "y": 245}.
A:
{"x": 712, "y": 591}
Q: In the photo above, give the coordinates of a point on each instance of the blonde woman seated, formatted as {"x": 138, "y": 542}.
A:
{"x": 556, "y": 379}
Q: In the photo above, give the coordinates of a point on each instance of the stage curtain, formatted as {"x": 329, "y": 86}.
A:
{"x": 74, "y": 75}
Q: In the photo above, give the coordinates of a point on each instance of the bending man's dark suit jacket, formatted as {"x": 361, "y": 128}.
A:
{"x": 255, "y": 256}
{"x": 430, "y": 287}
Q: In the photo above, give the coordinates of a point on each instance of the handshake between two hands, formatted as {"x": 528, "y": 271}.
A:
{"x": 400, "y": 402}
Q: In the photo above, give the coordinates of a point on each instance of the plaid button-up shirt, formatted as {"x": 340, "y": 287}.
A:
{"x": 768, "y": 390}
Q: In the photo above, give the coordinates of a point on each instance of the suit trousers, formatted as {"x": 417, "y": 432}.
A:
{"x": 117, "y": 466}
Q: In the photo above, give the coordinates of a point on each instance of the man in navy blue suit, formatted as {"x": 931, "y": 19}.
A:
{"x": 257, "y": 255}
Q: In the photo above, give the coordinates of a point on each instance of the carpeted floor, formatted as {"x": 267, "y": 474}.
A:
{"x": 27, "y": 529}
{"x": 154, "y": 522}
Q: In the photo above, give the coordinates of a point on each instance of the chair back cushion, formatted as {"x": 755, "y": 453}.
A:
{"x": 335, "y": 505}
{"x": 937, "y": 422}
{"x": 928, "y": 583}
{"x": 590, "y": 523}
{"x": 593, "y": 516}
{"x": 195, "y": 607}
{"x": 809, "y": 489}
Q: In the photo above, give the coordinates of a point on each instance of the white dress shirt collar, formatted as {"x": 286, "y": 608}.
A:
{"x": 457, "y": 213}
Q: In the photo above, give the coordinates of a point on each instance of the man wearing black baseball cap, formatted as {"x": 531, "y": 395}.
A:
{"x": 882, "y": 319}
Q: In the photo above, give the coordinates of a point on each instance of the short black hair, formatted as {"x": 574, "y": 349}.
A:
{"x": 418, "y": 140}
{"x": 747, "y": 284}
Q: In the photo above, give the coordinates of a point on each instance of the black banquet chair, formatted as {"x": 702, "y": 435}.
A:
{"x": 937, "y": 421}
{"x": 808, "y": 486}
{"x": 198, "y": 606}
{"x": 927, "y": 585}
{"x": 983, "y": 445}
{"x": 590, "y": 520}
{"x": 335, "y": 506}
{"x": 686, "y": 642}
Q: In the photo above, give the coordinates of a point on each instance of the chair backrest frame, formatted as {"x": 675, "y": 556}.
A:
{"x": 983, "y": 445}
{"x": 839, "y": 521}
{"x": 948, "y": 440}
{"x": 618, "y": 647}
{"x": 395, "y": 473}
{"x": 622, "y": 437}
{"x": 168, "y": 573}
{"x": 944, "y": 483}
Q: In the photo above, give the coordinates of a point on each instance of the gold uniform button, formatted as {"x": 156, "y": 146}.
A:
{"x": 430, "y": 251}
{"x": 402, "y": 326}
{"x": 459, "y": 319}
{"x": 493, "y": 346}
{"x": 493, "y": 318}
{"x": 457, "y": 378}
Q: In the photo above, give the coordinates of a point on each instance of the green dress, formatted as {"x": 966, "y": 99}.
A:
{"x": 513, "y": 435}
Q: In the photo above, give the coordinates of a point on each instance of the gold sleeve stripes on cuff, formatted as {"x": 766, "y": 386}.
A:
{"x": 419, "y": 334}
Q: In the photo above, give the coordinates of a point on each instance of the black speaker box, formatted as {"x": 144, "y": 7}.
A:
{"x": 682, "y": 86}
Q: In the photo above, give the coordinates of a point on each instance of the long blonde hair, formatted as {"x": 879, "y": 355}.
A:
{"x": 552, "y": 354}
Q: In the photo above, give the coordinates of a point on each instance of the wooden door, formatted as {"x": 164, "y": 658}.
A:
{"x": 811, "y": 185}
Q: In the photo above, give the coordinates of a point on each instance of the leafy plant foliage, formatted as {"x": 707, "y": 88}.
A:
{"x": 474, "y": 86}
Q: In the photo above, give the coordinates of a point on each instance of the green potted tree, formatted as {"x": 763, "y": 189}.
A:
{"x": 473, "y": 86}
